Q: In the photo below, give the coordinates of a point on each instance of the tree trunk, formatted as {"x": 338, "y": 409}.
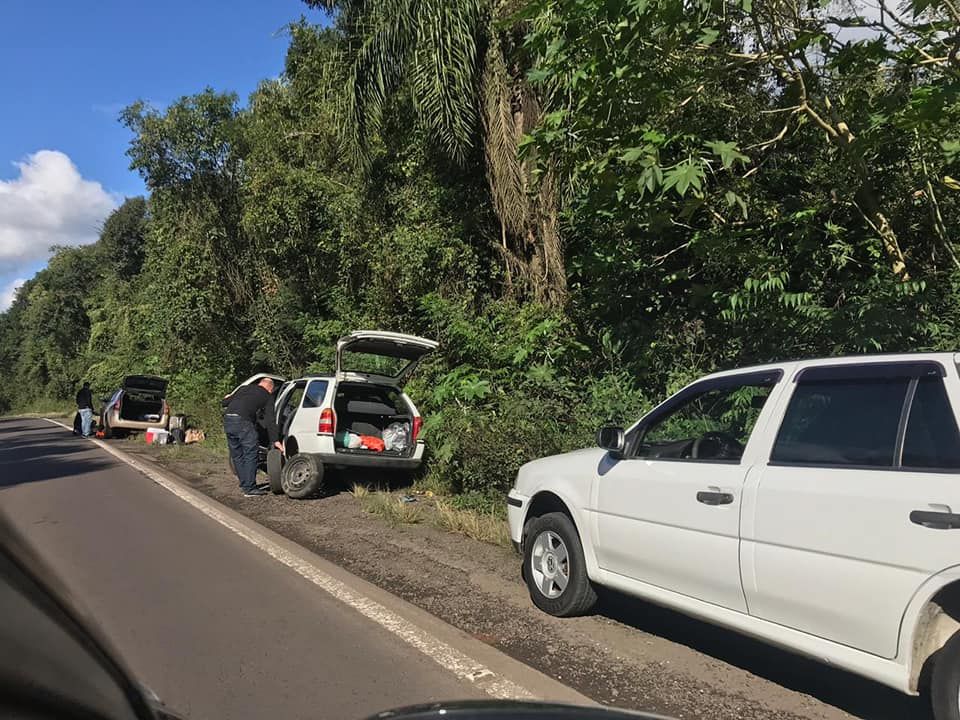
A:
{"x": 530, "y": 243}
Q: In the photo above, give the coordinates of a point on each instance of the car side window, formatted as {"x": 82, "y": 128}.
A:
{"x": 316, "y": 392}
{"x": 844, "y": 422}
{"x": 293, "y": 399}
{"x": 711, "y": 425}
{"x": 932, "y": 439}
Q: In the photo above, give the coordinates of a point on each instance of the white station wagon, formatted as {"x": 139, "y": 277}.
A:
{"x": 813, "y": 504}
{"x": 322, "y": 418}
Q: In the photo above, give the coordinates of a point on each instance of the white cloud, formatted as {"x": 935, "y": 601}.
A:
{"x": 49, "y": 203}
{"x": 9, "y": 293}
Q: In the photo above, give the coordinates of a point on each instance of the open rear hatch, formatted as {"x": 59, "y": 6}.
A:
{"x": 146, "y": 385}
{"x": 380, "y": 357}
{"x": 143, "y": 398}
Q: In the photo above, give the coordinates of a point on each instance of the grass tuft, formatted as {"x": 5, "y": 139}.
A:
{"x": 391, "y": 508}
{"x": 487, "y": 527}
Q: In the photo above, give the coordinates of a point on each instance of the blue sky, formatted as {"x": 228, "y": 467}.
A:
{"x": 66, "y": 70}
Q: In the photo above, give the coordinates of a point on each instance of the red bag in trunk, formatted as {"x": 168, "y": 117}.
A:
{"x": 371, "y": 443}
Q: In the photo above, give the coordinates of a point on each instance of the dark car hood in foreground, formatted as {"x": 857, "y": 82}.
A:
{"x": 511, "y": 710}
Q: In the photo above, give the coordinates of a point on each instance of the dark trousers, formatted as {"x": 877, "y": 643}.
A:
{"x": 243, "y": 442}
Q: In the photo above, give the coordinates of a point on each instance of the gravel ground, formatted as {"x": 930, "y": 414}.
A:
{"x": 631, "y": 654}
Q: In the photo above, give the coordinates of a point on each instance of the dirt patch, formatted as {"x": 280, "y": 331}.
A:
{"x": 632, "y": 654}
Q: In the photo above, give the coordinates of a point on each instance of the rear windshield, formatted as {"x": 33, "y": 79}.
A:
{"x": 142, "y": 383}
{"x": 373, "y": 364}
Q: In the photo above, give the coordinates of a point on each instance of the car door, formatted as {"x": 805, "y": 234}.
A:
{"x": 668, "y": 512}
{"x": 854, "y": 508}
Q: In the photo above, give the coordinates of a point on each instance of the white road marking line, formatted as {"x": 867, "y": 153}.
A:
{"x": 440, "y": 652}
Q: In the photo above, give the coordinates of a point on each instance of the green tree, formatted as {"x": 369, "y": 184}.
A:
{"x": 462, "y": 61}
{"x": 122, "y": 239}
{"x": 201, "y": 271}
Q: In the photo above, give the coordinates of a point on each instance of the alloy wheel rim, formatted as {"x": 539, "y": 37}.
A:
{"x": 550, "y": 564}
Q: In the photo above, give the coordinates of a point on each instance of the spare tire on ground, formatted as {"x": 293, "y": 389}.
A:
{"x": 302, "y": 476}
{"x": 274, "y": 468}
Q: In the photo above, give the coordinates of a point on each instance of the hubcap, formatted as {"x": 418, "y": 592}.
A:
{"x": 296, "y": 478}
{"x": 550, "y": 564}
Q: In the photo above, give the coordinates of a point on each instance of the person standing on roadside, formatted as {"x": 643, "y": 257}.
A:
{"x": 240, "y": 425}
{"x": 85, "y": 408}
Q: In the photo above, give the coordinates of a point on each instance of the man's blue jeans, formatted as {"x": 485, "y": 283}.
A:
{"x": 86, "y": 419}
{"x": 243, "y": 442}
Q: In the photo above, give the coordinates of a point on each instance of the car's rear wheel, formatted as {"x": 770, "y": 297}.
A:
{"x": 554, "y": 566}
{"x": 274, "y": 469}
{"x": 302, "y": 476}
{"x": 945, "y": 681}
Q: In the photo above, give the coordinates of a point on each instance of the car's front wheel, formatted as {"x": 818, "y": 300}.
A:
{"x": 302, "y": 476}
{"x": 554, "y": 566}
{"x": 945, "y": 681}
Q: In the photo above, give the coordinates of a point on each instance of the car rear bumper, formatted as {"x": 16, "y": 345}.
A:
{"x": 117, "y": 423}
{"x": 370, "y": 461}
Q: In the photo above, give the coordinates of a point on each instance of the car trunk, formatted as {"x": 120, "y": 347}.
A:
{"x": 368, "y": 409}
{"x": 143, "y": 398}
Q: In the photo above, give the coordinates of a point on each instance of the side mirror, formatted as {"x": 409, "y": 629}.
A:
{"x": 612, "y": 440}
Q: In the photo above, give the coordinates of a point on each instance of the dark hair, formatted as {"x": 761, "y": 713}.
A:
{"x": 86, "y": 384}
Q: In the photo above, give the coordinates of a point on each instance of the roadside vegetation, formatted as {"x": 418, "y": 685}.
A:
{"x": 587, "y": 202}
{"x": 474, "y": 516}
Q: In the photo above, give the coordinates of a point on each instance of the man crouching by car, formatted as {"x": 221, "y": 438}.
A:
{"x": 240, "y": 425}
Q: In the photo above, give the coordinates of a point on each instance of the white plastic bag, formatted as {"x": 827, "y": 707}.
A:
{"x": 396, "y": 436}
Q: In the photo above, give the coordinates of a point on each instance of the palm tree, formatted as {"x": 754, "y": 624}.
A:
{"x": 460, "y": 59}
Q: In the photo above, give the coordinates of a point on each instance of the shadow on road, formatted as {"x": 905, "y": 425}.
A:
{"x": 30, "y": 452}
{"x": 851, "y": 693}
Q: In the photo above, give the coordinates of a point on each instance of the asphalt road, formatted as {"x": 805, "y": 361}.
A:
{"x": 216, "y": 627}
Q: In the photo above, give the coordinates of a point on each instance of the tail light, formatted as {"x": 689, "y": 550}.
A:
{"x": 417, "y": 424}
{"x": 328, "y": 422}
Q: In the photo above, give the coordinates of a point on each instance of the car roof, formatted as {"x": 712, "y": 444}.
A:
{"x": 791, "y": 366}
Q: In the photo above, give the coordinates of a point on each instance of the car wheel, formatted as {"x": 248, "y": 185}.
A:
{"x": 274, "y": 468}
{"x": 945, "y": 681}
{"x": 554, "y": 566}
{"x": 302, "y": 476}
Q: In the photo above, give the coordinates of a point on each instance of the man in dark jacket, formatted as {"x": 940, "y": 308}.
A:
{"x": 85, "y": 408}
{"x": 240, "y": 425}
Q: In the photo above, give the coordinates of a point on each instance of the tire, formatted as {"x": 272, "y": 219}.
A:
{"x": 550, "y": 545}
{"x": 107, "y": 430}
{"x": 274, "y": 468}
{"x": 302, "y": 476}
{"x": 945, "y": 681}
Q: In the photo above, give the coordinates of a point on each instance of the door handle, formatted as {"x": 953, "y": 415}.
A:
{"x": 714, "y": 497}
{"x": 936, "y": 520}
